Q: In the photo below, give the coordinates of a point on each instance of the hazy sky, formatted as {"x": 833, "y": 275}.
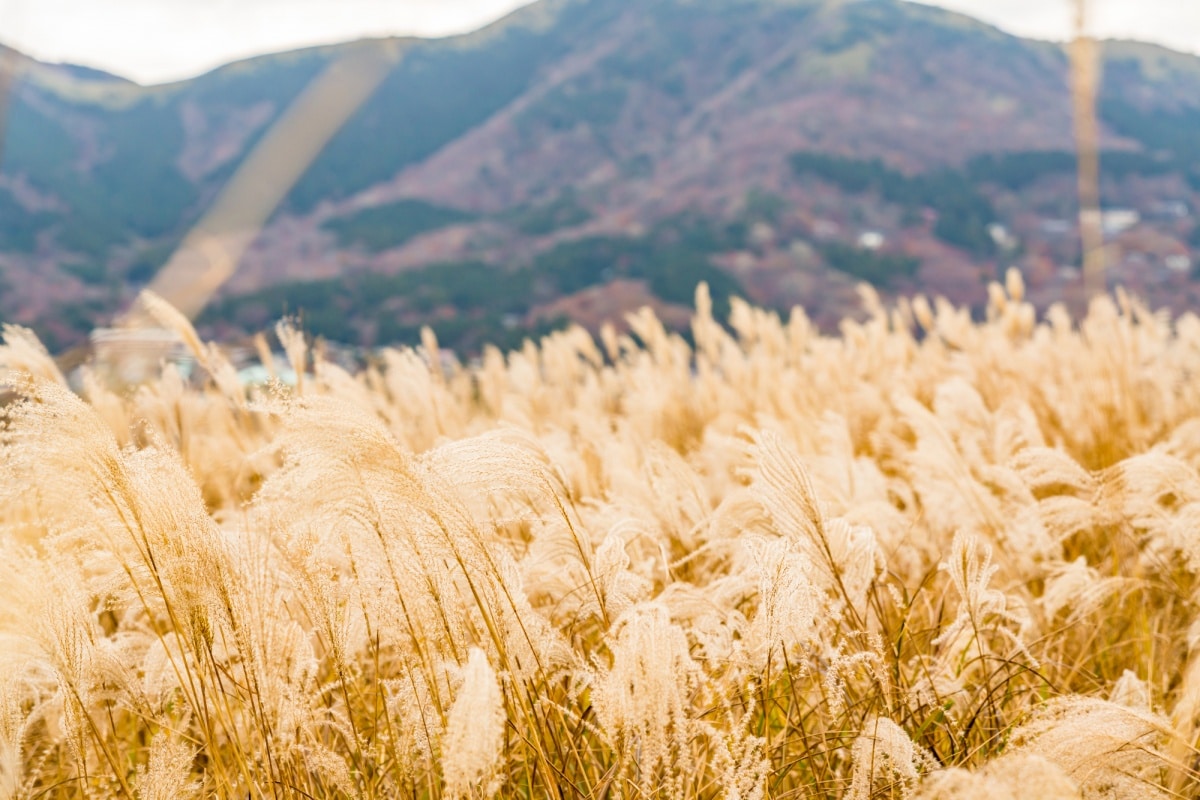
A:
{"x": 158, "y": 40}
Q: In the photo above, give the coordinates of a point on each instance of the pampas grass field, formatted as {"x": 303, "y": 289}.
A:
{"x": 925, "y": 558}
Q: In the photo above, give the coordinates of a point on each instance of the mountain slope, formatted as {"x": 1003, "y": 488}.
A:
{"x": 671, "y": 122}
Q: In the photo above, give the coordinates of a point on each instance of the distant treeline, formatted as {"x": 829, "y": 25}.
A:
{"x": 488, "y": 303}
{"x": 878, "y": 269}
{"x": 383, "y": 227}
{"x": 1172, "y": 138}
{"x": 963, "y": 211}
{"x": 1016, "y": 171}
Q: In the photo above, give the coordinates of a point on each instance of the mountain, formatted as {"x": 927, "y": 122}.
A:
{"x": 584, "y": 157}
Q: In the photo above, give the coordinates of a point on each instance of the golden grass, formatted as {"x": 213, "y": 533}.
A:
{"x": 926, "y": 558}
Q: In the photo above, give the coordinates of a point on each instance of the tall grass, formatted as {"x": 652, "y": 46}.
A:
{"x": 926, "y": 558}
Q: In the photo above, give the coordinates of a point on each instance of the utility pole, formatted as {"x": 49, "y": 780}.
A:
{"x": 10, "y": 65}
{"x": 1085, "y": 82}
{"x": 9, "y": 62}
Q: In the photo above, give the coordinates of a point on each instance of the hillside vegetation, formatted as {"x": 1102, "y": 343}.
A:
{"x": 583, "y": 119}
{"x": 925, "y": 559}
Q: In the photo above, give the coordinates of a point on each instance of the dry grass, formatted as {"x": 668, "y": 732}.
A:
{"x": 926, "y": 558}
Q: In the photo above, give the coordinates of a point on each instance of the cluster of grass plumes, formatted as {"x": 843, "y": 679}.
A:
{"x": 927, "y": 558}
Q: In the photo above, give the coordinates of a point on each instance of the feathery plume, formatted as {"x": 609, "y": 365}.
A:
{"x": 472, "y": 745}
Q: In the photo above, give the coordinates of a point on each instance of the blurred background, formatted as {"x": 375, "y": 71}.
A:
{"x": 496, "y": 169}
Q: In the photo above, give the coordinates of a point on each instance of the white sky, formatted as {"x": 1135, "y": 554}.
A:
{"x": 153, "y": 41}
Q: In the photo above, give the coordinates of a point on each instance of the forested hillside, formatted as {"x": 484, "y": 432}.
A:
{"x": 802, "y": 145}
